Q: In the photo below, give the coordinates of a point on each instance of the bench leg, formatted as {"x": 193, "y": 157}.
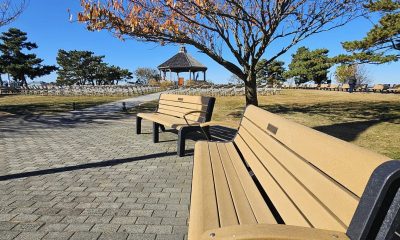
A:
{"x": 182, "y": 133}
{"x": 181, "y": 141}
{"x": 162, "y": 127}
{"x": 156, "y": 126}
{"x": 138, "y": 125}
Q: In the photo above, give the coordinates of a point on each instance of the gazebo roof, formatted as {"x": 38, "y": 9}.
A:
{"x": 182, "y": 62}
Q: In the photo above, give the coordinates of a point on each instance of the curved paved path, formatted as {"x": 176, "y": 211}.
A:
{"x": 86, "y": 175}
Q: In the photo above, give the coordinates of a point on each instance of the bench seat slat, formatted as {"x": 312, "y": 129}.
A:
{"x": 351, "y": 166}
{"x": 226, "y": 209}
{"x": 289, "y": 212}
{"x": 308, "y": 205}
{"x": 203, "y": 208}
{"x": 242, "y": 207}
{"x": 259, "y": 208}
{"x": 326, "y": 190}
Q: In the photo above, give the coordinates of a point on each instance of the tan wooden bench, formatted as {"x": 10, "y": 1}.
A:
{"x": 181, "y": 112}
{"x": 333, "y": 87}
{"x": 345, "y": 87}
{"x": 280, "y": 180}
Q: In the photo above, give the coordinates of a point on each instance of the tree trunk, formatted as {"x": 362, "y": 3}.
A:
{"x": 24, "y": 83}
{"x": 251, "y": 89}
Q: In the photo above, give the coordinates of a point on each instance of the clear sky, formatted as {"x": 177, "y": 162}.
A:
{"x": 47, "y": 24}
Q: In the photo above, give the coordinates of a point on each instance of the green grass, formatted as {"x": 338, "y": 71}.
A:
{"x": 368, "y": 120}
{"x": 31, "y": 105}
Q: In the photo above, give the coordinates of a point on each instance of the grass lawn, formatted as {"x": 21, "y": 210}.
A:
{"x": 368, "y": 120}
{"x": 33, "y": 104}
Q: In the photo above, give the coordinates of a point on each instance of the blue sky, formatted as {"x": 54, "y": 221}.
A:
{"x": 47, "y": 24}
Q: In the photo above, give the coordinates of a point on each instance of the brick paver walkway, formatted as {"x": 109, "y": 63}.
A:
{"x": 88, "y": 176}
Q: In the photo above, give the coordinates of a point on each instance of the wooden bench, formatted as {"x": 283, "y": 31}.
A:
{"x": 280, "y": 180}
{"x": 181, "y": 112}
{"x": 345, "y": 87}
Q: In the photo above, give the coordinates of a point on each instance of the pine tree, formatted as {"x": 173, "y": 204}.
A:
{"x": 270, "y": 73}
{"x": 309, "y": 65}
{"x": 382, "y": 42}
{"x": 83, "y": 67}
{"x": 18, "y": 64}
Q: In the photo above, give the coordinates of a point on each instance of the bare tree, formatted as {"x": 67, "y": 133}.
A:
{"x": 10, "y": 10}
{"x": 247, "y": 28}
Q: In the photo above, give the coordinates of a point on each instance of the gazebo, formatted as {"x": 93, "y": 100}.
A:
{"x": 182, "y": 62}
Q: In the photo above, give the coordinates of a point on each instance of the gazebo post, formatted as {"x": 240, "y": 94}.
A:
{"x": 190, "y": 75}
{"x": 204, "y": 75}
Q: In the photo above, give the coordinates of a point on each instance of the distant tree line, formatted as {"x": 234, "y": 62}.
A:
{"x": 83, "y": 68}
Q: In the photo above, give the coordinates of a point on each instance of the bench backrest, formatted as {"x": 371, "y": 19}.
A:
{"x": 312, "y": 179}
{"x": 178, "y": 105}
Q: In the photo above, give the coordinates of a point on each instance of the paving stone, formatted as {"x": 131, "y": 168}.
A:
{"x": 74, "y": 219}
{"x": 124, "y": 220}
{"x": 54, "y": 227}
{"x": 170, "y": 236}
{"x": 8, "y": 235}
{"x": 33, "y": 226}
{"x": 148, "y": 220}
{"x": 159, "y": 229}
{"x": 85, "y": 235}
{"x": 5, "y": 226}
{"x": 30, "y": 236}
{"x": 98, "y": 219}
{"x": 114, "y": 236}
{"x": 164, "y": 213}
{"x": 79, "y": 227}
{"x": 116, "y": 212}
{"x": 58, "y": 236}
{"x": 104, "y": 227}
{"x": 141, "y": 213}
{"x": 7, "y": 217}
{"x": 174, "y": 221}
{"x": 144, "y": 236}
{"x": 132, "y": 228}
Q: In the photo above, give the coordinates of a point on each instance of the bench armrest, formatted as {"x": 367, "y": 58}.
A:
{"x": 272, "y": 232}
{"x": 191, "y": 112}
{"x": 218, "y": 123}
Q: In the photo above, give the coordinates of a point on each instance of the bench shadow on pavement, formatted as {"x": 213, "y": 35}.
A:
{"x": 107, "y": 163}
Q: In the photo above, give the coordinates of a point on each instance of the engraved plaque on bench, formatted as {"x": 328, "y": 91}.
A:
{"x": 271, "y": 128}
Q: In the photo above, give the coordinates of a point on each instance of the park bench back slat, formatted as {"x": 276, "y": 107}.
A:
{"x": 304, "y": 172}
{"x": 178, "y": 105}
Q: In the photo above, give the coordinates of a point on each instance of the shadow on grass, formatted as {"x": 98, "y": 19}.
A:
{"x": 107, "y": 163}
{"x": 351, "y": 118}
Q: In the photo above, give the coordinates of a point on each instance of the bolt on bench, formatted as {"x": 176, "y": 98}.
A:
{"x": 181, "y": 112}
{"x": 280, "y": 180}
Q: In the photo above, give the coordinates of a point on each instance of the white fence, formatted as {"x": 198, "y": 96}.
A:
{"x": 224, "y": 90}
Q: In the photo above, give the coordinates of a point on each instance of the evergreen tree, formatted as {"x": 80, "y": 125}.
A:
{"x": 83, "y": 67}
{"x": 382, "y": 43}
{"x": 309, "y": 65}
{"x": 78, "y": 67}
{"x": 271, "y": 73}
{"x": 18, "y": 64}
